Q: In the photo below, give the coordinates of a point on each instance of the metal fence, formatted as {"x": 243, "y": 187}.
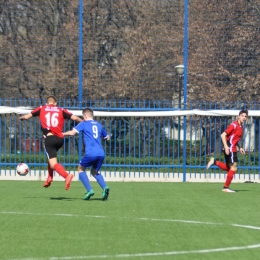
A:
{"x": 139, "y": 144}
{"x": 122, "y": 55}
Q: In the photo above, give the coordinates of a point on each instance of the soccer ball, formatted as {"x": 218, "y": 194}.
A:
{"x": 22, "y": 169}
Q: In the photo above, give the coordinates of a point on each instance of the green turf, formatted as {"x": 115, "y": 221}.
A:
{"x": 139, "y": 221}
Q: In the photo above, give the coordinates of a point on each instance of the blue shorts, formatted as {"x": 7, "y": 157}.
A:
{"x": 94, "y": 161}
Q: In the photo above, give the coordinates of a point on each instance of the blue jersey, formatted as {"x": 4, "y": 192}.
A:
{"x": 92, "y": 134}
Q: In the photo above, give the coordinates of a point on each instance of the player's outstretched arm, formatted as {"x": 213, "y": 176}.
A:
{"x": 26, "y": 117}
{"x": 70, "y": 133}
{"x": 76, "y": 118}
{"x": 107, "y": 138}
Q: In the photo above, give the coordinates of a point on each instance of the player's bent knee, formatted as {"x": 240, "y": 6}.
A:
{"x": 233, "y": 167}
{"x": 93, "y": 172}
{"x": 81, "y": 168}
{"x": 52, "y": 162}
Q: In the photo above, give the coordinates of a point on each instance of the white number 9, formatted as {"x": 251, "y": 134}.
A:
{"x": 95, "y": 131}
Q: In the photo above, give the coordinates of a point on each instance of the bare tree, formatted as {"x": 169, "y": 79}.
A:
{"x": 36, "y": 48}
{"x": 132, "y": 53}
{"x": 224, "y": 43}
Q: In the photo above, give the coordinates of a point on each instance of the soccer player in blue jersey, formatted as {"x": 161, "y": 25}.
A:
{"x": 94, "y": 152}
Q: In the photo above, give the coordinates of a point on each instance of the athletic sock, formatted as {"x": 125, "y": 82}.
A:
{"x": 229, "y": 178}
{"x": 83, "y": 177}
{"x": 60, "y": 170}
{"x": 100, "y": 180}
{"x": 50, "y": 171}
{"x": 222, "y": 166}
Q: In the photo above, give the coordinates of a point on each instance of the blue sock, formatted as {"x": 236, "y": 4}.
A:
{"x": 100, "y": 180}
{"x": 85, "y": 181}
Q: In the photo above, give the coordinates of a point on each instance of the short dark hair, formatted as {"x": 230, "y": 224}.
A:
{"x": 51, "y": 98}
{"x": 88, "y": 111}
{"x": 243, "y": 111}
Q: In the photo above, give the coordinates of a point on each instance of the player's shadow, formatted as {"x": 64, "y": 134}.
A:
{"x": 71, "y": 199}
{"x": 63, "y": 198}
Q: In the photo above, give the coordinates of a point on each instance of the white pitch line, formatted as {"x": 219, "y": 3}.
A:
{"x": 201, "y": 251}
{"x": 245, "y": 226}
{"x": 182, "y": 221}
{"x": 56, "y": 214}
{"x": 93, "y": 216}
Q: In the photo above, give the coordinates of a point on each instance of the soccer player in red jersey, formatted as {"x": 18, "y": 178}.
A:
{"x": 230, "y": 138}
{"x": 52, "y": 122}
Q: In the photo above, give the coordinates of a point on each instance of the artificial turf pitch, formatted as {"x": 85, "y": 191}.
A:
{"x": 138, "y": 221}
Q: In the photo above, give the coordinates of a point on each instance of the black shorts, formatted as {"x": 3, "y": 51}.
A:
{"x": 231, "y": 157}
{"x": 52, "y": 144}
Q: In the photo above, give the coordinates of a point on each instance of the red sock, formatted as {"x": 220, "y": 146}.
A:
{"x": 60, "y": 170}
{"x": 229, "y": 178}
{"x": 222, "y": 166}
{"x": 50, "y": 171}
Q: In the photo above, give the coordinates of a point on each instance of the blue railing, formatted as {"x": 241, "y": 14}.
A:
{"x": 138, "y": 144}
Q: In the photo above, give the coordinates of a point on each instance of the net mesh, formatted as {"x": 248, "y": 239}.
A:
{"x": 130, "y": 50}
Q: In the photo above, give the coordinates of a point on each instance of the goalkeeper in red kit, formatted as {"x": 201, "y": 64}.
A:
{"x": 230, "y": 138}
{"x": 52, "y": 122}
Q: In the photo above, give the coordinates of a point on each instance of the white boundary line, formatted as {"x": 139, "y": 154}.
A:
{"x": 203, "y": 251}
{"x": 200, "y": 251}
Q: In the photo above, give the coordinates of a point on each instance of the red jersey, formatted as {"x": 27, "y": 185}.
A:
{"x": 234, "y": 134}
{"x": 52, "y": 119}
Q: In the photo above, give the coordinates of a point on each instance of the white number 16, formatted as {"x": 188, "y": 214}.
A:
{"x": 52, "y": 119}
